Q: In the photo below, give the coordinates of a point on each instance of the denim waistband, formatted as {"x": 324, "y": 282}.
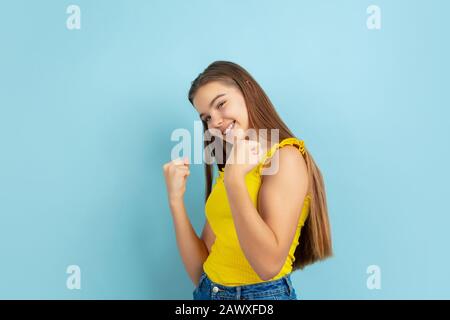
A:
{"x": 280, "y": 285}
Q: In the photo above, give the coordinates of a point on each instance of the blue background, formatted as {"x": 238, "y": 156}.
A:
{"x": 86, "y": 117}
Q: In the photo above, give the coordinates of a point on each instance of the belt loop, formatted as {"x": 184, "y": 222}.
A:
{"x": 288, "y": 282}
{"x": 238, "y": 293}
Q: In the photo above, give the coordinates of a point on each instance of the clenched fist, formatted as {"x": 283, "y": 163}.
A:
{"x": 176, "y": 173}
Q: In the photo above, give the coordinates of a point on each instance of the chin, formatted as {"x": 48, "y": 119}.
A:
{"x": 230, "y": 141}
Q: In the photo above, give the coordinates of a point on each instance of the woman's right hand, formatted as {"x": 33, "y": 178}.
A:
{"x": 176, "y": 173}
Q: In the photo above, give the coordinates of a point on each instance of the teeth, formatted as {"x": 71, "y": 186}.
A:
{"x": 227, "y": 130}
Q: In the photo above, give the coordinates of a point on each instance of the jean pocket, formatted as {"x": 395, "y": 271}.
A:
{"x": 200, "y": 281}
{"x": 279, "y": 293}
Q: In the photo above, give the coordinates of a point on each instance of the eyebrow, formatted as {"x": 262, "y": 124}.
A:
{"x": 212, "y": 102}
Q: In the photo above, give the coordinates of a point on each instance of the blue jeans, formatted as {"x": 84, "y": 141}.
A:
{"x": 280, "y": 289}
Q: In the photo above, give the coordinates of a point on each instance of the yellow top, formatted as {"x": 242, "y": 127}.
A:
{"x": 226, "y": 263}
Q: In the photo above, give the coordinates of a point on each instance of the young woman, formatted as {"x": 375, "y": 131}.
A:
{"x": 261, "y": 224}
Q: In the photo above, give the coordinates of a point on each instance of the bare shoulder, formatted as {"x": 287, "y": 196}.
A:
{"x": 286, "y": 163}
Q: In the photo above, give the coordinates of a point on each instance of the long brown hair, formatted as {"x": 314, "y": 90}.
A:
{"x": 315, "y": 237}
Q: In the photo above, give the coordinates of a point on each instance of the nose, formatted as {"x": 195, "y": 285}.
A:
{"x": 216, "y": 121}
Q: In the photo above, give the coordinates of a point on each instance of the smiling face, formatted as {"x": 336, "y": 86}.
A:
{"x": 222, "y": 107}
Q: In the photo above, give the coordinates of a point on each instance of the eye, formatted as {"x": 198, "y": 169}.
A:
{"x": 220, "y": 105}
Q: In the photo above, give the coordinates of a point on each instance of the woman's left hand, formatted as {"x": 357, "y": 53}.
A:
{"x": 245, "y": 155}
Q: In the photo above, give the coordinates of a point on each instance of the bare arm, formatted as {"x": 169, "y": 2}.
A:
{"x": 193, "y": 250}
{"x": 266, "y": 235}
